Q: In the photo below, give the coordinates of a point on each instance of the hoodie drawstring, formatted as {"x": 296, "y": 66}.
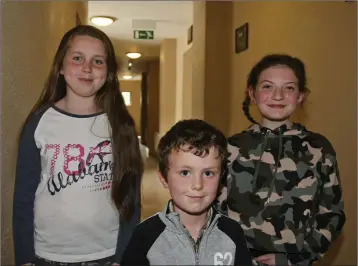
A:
{"x": 258, "y": 164}
{"x": 276, "y": 166}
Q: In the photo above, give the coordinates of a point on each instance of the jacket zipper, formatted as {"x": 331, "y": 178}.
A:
{"x": 197, "y": 258}
{"x": 192, "y": 243}
{"x": 196, "y": 252}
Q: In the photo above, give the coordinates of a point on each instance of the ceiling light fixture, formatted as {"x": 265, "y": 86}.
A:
{"x": 133, "y": 55}
{"x": 102, "y": 20}
{"x": 127, "y": 77}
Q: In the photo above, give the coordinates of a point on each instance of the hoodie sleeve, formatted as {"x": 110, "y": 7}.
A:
{"x": 221, "y": 201}
{"x": 330, "y": 217}
{"x": 28, "y": 174}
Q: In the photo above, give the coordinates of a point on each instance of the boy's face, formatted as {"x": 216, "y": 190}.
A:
{"x": 192, "y": 180}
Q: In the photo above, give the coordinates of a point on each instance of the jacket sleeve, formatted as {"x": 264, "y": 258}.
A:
{"x": 329, "y": 218}
{"x": 144, "y": 236}
{"x": 135, "y": 252}
{"x": 28, "y": 175}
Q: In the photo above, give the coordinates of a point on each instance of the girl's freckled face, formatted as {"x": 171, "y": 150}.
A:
{"x": 84, "y": 66}
{"x": 277, "y": 93}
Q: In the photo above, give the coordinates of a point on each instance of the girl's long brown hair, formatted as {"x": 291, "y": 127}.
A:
{"x": 128, "y": 165}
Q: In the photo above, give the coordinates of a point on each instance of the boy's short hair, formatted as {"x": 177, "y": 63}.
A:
{"x": 198, "y": 135}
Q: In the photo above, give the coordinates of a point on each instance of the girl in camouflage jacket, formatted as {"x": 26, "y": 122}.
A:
{"x": 283, "y": 184}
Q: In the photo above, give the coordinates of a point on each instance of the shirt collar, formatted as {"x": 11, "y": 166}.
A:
{"x": 209, "y": 216}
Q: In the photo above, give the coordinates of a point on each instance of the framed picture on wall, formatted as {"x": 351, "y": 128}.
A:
{"x": 242, "y": 38}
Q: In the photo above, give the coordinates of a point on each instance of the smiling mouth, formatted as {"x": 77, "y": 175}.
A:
{"x": 85, "y": 80}
{"x": 277, "y": 105}
{"x": 196, "y": 197}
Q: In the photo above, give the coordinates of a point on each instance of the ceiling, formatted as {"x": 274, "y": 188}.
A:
{"x": 168, "y": 19}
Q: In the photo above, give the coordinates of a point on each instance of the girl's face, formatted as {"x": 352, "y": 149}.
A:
{"x": 84, "y": 66}
{"x": 277, "y": 93}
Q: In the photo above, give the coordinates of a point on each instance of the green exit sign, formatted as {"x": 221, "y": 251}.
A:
{"x": 143, "y": 34}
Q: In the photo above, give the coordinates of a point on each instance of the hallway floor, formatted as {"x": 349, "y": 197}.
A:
{"x": 154, "y": 195}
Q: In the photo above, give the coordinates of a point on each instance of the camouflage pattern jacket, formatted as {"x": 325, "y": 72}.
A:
{"x": 284, "y": 189}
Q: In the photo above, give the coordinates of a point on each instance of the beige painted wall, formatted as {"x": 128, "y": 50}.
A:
{"x": 218, "y": 64}
{"x": 153, "y": 105}
{"x": 324, "y": 36}
{"x": 207, "y": 65}
{"x": 31, "y": 32}
{"x": 182, "y": 48}
{"x": 198, "y": 59}
{"x": 187, "y": 98}
{"x": 134, "y": 87}
{"x": 167, "y": 92}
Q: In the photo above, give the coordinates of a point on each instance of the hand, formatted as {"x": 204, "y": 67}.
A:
{"x": 268, "y": 259}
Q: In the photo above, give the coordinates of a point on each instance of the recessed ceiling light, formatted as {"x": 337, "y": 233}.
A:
{"x": 134, "y": 55}
{"x": 102, "y": 20}
{"x": 127, "y": 77}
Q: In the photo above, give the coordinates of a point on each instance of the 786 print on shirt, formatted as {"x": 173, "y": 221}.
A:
{"x": 78, "y": 165}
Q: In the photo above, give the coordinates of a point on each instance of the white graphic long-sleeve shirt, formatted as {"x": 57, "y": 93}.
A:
{"x": 62, "y": 204}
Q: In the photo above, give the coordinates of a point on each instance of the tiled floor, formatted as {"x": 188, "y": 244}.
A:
{"x": 154, "y": 195}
